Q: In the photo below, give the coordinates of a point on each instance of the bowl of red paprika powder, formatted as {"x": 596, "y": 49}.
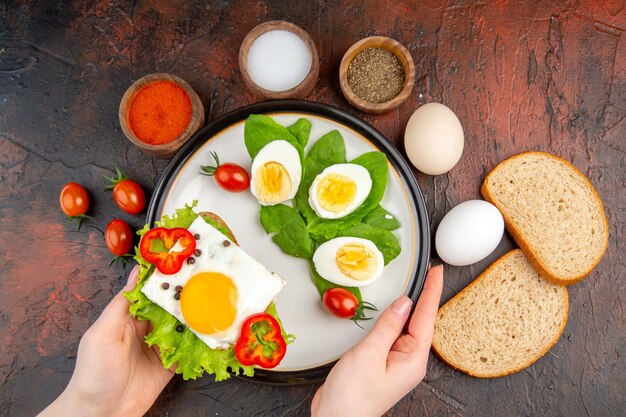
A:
{"x": 159, "y": 113}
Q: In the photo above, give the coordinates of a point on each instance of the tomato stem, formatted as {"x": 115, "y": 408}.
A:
{"x": 112, "y": 181}
{"x": 79, "y": 220}
{"x": 210, "y": 170}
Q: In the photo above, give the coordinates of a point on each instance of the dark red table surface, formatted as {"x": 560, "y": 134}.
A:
{"x": 533, "y": 75}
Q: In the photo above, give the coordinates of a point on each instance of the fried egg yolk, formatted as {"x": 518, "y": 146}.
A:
{"x": 356, "y": 261}
{"x": 208, "y": 302}
{"x": 335, "y": 192}
{"x": 273, "y": 184}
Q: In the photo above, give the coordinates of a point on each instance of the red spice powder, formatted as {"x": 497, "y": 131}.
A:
{"x": 160, "y": 112}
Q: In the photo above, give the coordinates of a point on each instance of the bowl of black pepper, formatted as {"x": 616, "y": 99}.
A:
{"x": 376, "y": 74}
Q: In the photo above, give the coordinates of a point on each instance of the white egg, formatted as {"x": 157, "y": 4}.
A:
{"x": 339, "y": 190}
{"x": 276, "y": 173}
{"x": 220, "y": 290}
{"x": 469, "y": 233}
{"x": 349, "y": 261}
{"x": 433, "y": 139}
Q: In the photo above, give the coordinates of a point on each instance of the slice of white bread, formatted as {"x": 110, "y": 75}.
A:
{"x": 503, "y": 321}
{"x": 552, "y": 211}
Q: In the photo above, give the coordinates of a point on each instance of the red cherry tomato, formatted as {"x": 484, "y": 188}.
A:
{"x": 74, "y": 200}
{"x": 129, "y": 196}
{"x": 340, "y": 302}
{"x": 118, "y": 237}
{"x": 231, "y": 177}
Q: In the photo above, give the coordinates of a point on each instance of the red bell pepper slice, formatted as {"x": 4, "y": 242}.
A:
{"x": 261, "y": 342}
{"x": 165, "y": 261}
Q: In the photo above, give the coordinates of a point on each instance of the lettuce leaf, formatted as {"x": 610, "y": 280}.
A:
{"x": 185, "y": 349}
{"x": 381, "y": 218}
{"x": 288, "y": 229}
{"x": 324, "y": 285}
{"x": 260, "y": 130}
{"x": 301, "y": 130}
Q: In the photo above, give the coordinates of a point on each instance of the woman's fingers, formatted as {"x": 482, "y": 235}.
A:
{"x": 114, "y": 317}
{"x": 388, "y": 327}
{"x": 422, "y": 322}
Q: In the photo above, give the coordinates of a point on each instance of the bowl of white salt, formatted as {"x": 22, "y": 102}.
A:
{"x": 279, "y": 60}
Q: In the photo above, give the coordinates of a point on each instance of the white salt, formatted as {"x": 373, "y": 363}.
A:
{"x": 278, "y": 60}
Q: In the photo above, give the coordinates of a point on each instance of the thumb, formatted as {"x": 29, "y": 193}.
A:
{"x": 389, "y": 326}
{"x": 115, "y": 315}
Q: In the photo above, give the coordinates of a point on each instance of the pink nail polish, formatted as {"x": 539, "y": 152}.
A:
{"x": 132, "y": 277}
{"x": 401, "y": 306}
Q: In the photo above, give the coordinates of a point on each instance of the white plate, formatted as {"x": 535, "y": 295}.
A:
{"x": 320, "y": 338}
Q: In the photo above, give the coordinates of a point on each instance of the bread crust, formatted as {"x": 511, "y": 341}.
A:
{"x": 516, "y": 233}
{"x": 438, "y": 351}
{"x": 219, "y": 220}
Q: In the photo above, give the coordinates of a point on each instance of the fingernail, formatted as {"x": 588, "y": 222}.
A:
{"x": 402, "y": 305}
{"x": 132, "y": 277}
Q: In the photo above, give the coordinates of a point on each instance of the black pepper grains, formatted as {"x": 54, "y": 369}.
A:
{"x": 376, "y": 75}
{"x": 196, "y": 236}
{"x": 179, "y": 289}
{"x": 177, "y": 296}
{"x": 226, "y": 243}
{"x": 191, "y": 260}
{"x": 165, "y": 285}
{"x": 180, "y": 328}
{"x": 197, "y": 253}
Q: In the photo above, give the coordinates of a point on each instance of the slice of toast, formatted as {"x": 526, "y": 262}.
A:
{"x": 219, "y": 220}
{"x": 552, "y": 211}
{"x": 503, "y": 321}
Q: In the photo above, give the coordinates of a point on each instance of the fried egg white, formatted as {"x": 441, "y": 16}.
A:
{"x": 276, "y": 173}
{"x": 349, "y": 261}
{"x": 339, "y": 190}
{"x": 220, "y": 289}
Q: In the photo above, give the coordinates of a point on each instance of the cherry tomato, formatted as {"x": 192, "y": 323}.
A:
{"x": 340, "y": 302}
{"x": 129, "y": 196}
{"x": 74, "y": 200}
{"x": 118, "y": 237}
{"x": 229, "y": 176}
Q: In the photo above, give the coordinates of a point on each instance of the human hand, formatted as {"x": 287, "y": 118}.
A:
{"x": 116, "y": 373}
{"x": 371, "y": 377}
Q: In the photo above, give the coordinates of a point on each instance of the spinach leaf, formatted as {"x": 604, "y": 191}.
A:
{"x": 301, "y": 130}
{"x": 289, "y": 228}
{"x": 260, "y": 130}
{"x": 376, "y": 164}
{"x": 381, "y": 218}
{"x": 323, "y": 285}
{"x": 385, "y": 241}
{"x": 330, "y": 149}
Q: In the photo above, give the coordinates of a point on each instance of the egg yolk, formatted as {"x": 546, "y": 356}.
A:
{"x": 273, "y": 183}
{"x": 356, "y": 261}
{"x": 208, "y": 302}
{"x": 335, "y": 192}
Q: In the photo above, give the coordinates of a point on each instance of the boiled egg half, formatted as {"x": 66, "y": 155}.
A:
{"x": 349, "y": 261}
{"x": 339, "y": 190}
{"x": 276, "y": 173}
{"x": 220, "y": 289}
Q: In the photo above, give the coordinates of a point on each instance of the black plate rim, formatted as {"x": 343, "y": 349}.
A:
{"x": 414, "y": 289}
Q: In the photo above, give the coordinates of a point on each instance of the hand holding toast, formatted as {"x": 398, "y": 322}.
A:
{"x": 116, "y": 373}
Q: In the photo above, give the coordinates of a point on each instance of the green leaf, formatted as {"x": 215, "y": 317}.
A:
{"x": 381, "y": 218}
{"x": 385, "y": 241}
{"x": 323, "y": 285}
{"x": 192, "y": 356}
{"x": 330, "y": 149}
{"x": 301, "y": 130}
{"x": 376, "y": 164}
{"x": 260, "y": 130}
{"x": 289, "y": 228}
